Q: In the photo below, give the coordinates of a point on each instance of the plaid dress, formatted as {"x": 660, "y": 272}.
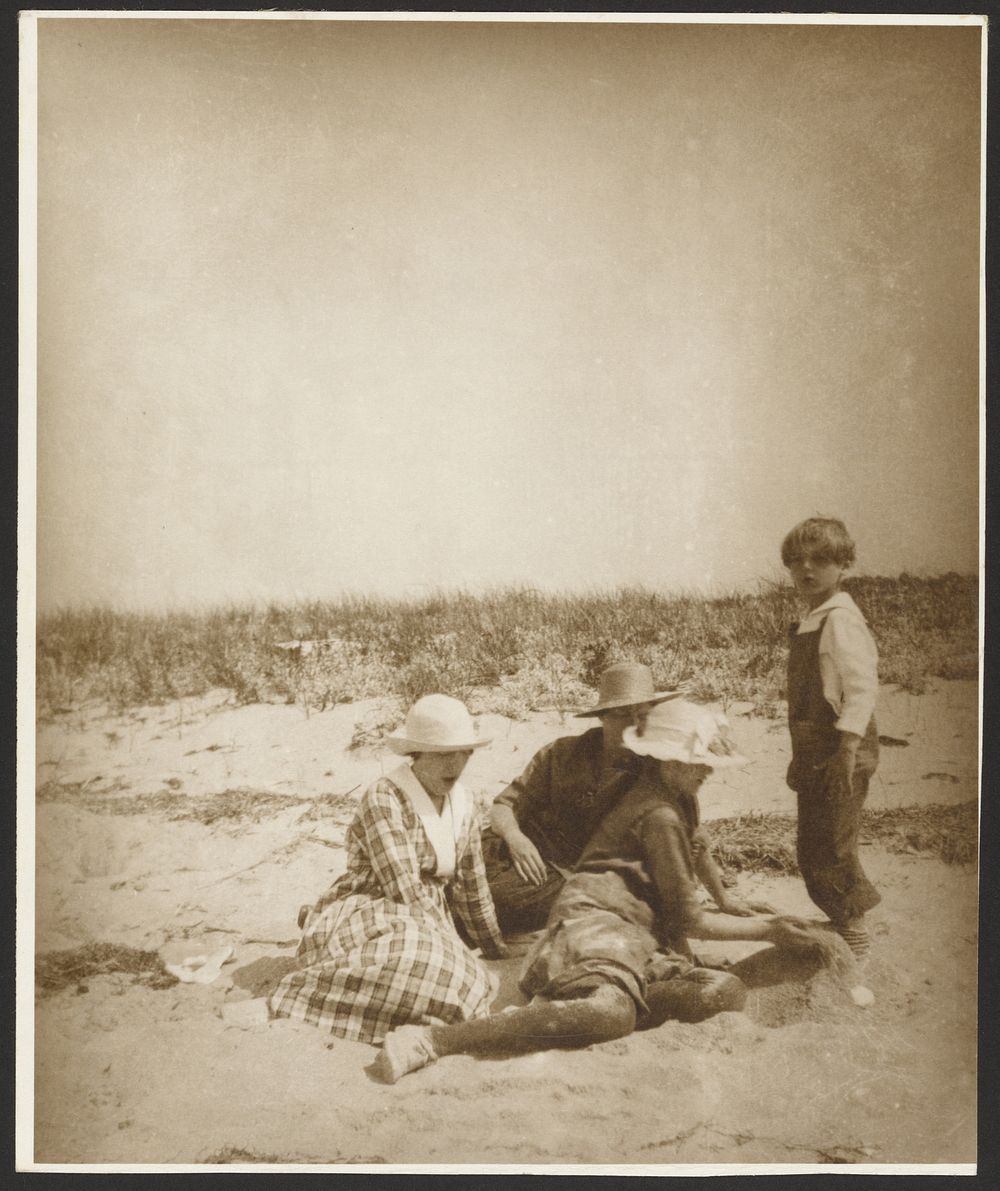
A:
{"x": 380, "y": 948}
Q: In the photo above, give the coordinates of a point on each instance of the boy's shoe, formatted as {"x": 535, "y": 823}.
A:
{"x": 405, "y": 1049}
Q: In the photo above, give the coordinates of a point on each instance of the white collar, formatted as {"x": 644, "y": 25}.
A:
{"x": 839, "y": 599}
{"x": 444, "y": 829}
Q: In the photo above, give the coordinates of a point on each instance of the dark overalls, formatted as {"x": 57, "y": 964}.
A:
{"x": 829, "y": 812}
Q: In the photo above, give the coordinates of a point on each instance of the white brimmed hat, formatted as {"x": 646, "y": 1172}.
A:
{"x": 683, "y": 731}
{"x": 626, "y": 685}
{"x": 436, "y": 724}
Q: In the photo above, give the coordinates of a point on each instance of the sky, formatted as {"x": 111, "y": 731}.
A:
{"x": 391, "y": 307}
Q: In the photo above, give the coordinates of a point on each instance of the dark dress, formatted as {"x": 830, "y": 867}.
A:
{"x": 380, "y": 948}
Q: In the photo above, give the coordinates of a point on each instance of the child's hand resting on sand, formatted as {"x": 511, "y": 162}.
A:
{"x": 788, "y": 931}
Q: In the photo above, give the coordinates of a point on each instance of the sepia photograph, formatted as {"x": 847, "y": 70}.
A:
{"x": 499, "y": 575}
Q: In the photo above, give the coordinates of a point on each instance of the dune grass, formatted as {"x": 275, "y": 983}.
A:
{"x": 765, "y": 843}
{"x": 56, "y": 970}
{"x": 230, "y": 806}
{"x": 241, "y": 1155}
{"x": 507, "y": 650}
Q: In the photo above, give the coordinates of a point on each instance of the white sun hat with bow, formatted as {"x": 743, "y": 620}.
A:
{"x": 684, "y": 731}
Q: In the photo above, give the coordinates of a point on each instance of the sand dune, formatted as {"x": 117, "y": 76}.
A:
{"x": 131, "y": 1073}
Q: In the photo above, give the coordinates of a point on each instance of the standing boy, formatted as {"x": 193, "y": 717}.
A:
{"x": 832, "y": 688}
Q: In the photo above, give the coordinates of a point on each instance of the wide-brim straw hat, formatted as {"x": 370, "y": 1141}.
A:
{"x": 684, "y": 731}
{"x": 437, "y": 724}
{"x": 625, "y": 685}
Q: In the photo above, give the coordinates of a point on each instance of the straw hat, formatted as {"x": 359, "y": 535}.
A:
{"x": 436, "y": 724}
{"x": 625, "y": 685}
{"x": 683, "y": 731}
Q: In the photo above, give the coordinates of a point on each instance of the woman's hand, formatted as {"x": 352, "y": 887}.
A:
{"x": 527, "y": 861}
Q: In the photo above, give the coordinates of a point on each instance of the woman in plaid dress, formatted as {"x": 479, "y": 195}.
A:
{"x": 380, "y": 948}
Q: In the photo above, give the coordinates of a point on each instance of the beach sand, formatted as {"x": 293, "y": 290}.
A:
{"x": 129, "y": 1071}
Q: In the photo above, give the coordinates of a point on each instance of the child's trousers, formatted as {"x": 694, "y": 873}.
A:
{"x": 829, "y": 825}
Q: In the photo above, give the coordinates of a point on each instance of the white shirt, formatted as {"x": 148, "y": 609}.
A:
{"x": 848, "y": 661}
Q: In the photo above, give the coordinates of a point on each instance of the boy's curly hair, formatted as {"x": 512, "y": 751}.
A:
{"x": 822, "y": 537}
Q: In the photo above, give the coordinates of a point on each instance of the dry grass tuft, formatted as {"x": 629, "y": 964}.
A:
{"x": 755, "y": 843}
{"x": 949, "y": 832}
{"x": 327, "y": 807}
{"x": 56, "y": 970}
{"x": 766, "y": 842}
{"x": 236, "y": 1154}
{"x": 240, "y": 805}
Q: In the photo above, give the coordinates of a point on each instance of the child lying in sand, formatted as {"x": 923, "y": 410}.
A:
{"x": 614, "y": 954}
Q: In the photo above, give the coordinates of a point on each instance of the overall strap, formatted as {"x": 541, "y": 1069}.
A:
{"x": 806, "y": 701}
